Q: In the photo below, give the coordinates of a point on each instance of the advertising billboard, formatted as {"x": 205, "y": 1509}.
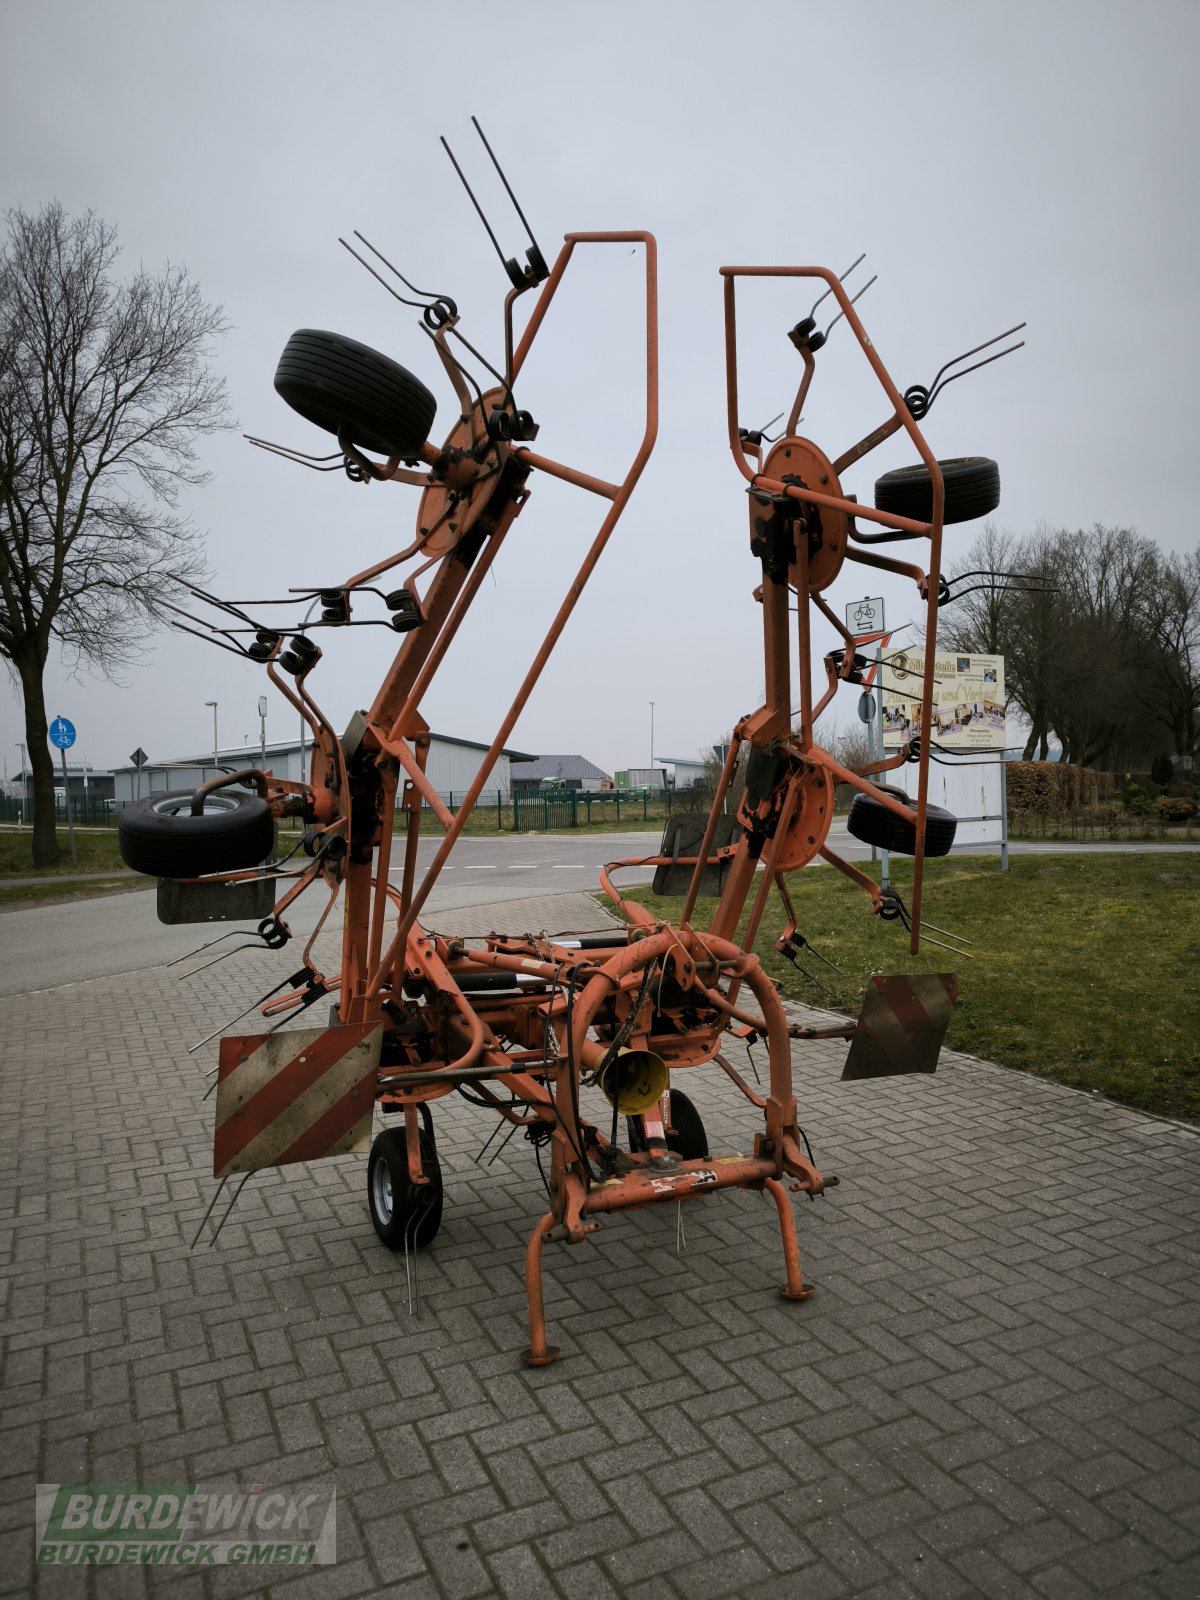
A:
{"x": 968, "y": 699}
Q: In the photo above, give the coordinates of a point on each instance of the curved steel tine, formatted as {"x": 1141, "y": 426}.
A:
{"x": 484, "y": 362}
{"x": 297, "y": 456}
{"x": 237, "y": 1195}
{"x": 209, "y": 1212}
{"x": 209, "y": 638}
{"x": 508, "y": 186}
{"x": 471, "y": 195}
{"x": 974, "y": 352}
{"x": 974, "y": 367}
{"x": 842, "y": 276}
{"x": 853, "y": 298}
{"x": 426, "y": 294}
{"x": 419, "y": 305}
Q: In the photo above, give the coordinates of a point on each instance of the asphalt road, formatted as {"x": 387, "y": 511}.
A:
{"x": 45, "y": 946}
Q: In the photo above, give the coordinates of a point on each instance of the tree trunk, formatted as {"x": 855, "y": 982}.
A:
{"x": 41, "y": 762}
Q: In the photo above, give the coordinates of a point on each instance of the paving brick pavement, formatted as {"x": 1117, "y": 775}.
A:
{"x": 993, "y": 1391}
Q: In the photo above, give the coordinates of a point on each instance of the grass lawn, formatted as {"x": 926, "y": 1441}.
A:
{"x": 16, "y": 897}
{"x": 97, "y": 852}
{"x": 1086, "y": 969}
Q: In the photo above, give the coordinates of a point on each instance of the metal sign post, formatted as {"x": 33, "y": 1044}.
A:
{"x": 865, "y": 620}
{"x": 62, "y": 735}
{"x": 139, "y": 759}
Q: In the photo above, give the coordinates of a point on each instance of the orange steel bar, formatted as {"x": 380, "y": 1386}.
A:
{"x": 836, "y": 502}
{"x": 705, "y": 850}
{"x": 903, "y": 569}
{"x": 795, "y": 1288}
{"x": 810, "y": 367}
{"x": 803, "y": 646}
{"x": 866, "y": 445}
{"x": 933, "y": 528}
{"x": 774, "y": 846}
{"x": 581, "y": 480}
{"x": 450, "y": 626}
{"x": 421, "y": 893}
{"x": 539, "y": 1353}
{"x": 383, "y": 859}
{"x": 399, "y": 748}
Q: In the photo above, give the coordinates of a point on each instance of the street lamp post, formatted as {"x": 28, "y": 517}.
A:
{"x": 216, "y": 746}
{"x": 652, "y": 735}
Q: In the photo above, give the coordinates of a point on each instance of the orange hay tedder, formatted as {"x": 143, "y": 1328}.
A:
{"x": 532, "y": 1026}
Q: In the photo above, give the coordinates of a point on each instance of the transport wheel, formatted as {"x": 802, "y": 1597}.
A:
{"x": 688, "y": 1140}
{"x": 402, "y": 1210}
{"x": 341, "y": 384}
{"x": 972, "y": 486}
{"x": 872, "y": 822}
{"x": 159, "y": 835}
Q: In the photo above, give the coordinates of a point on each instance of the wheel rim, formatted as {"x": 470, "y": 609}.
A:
{"x": 381, "y": 1191}
{"x": 178, "y": 805}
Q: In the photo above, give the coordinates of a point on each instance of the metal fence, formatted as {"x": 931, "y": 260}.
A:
{"x": 87, "y": 811}
{"x": 546, "y": 810}
{"x": 533, "y": 811}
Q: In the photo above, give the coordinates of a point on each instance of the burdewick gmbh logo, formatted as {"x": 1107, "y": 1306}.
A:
{"x": 185, "y": 1525}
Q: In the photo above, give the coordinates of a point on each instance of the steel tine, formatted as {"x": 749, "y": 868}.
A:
{"x": 395, "y": 293}
{"x": 962, "y": 938}
{"x": 853, "y": 298}
{"x": 507, "y": 185}
{"x": 953, "y": 949}
{"x": 680, "y": 1231}
{"x": 185, "y": 977}
{"x": 477, "y": 1159}
{"x": 503, "y": 1143}
{"x": 233, "y": 933}
{"x": 209, "y": 1212}
{"x": 425, "y": 294}
{"x": 987, "y": 343}
{"x": 471, "y": 195}
{"x": 842, "y": 276}
{"x": 297, "y": 455}
{"x": 237, "y": 1194}
{"x": 987, "y": 360}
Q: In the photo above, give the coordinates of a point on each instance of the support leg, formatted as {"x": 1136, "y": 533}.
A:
{"x": 539, "y": 1353}
{"x": 795, "y": 1288}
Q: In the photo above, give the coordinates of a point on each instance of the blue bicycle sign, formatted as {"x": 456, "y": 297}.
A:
{"x": 62, "y": 733}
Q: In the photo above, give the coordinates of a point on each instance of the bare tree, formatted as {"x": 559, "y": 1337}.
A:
{"x": 1103, "y": 652}
{"x": 104, "y": 390}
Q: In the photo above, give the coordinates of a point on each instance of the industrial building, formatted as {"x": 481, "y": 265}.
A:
{"x": 451, "y": 768}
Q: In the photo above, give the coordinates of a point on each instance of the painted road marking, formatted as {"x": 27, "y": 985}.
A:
{"x": 480, "y": 866}
{"x": 569, "y": 866}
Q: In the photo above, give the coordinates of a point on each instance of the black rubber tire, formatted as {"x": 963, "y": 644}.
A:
{"x": 341, "y": 384}
{"x": 159, "y": 836}
{"x": 872, "y": 822}
{"x": 972, "y": 490}
{"x": 398, "y": 1207}
{"x": 688, "y": 1139}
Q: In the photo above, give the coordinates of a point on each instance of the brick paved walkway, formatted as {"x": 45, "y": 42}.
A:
{"x": 993, "y": 1392}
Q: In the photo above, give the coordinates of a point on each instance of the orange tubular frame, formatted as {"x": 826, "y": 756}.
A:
{"x": 536, "y": 1019}
{"x": 927, "y": 581}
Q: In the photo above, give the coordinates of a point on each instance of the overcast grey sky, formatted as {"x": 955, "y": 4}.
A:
{"x": 1029, "y": 160}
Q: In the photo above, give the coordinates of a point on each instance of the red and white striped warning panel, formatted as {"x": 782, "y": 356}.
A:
{"x": 295, "y": 1096}
{"x": 902, "y": 1024}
